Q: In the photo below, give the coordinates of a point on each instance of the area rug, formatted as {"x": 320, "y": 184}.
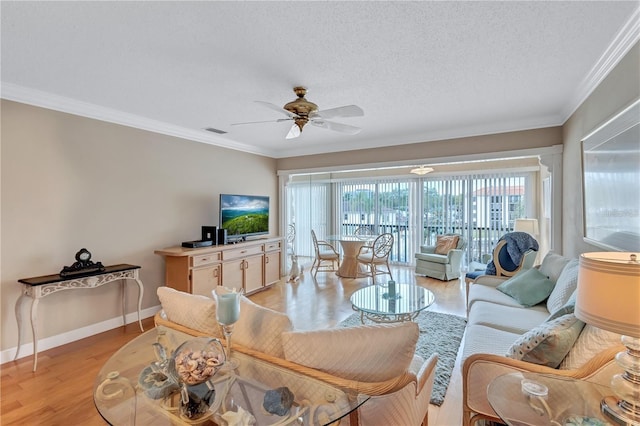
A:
{"x": 439, "y": 333}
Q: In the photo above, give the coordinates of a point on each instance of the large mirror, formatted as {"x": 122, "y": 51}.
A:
{"x": 611, "y": 182}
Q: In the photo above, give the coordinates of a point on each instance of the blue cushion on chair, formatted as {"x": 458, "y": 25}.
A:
{"x": 473, "y": 275}
{"x": 505, "y": 260}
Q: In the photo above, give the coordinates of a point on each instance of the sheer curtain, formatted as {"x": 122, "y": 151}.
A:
{"x": 309, "y": 207}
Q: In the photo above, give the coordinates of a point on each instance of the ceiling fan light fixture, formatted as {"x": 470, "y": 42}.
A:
{"x": 422, "y": 170}
{"x": 302, "y": 112}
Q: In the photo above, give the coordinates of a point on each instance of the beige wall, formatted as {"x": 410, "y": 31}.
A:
{"x": 422, "y": 152}
{"x": 618, "y": 90}
{"x": 70, "y": 182}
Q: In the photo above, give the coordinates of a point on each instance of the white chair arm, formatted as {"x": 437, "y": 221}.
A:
{"x": 428, "y": 249}
{"x": 426, "y": 372}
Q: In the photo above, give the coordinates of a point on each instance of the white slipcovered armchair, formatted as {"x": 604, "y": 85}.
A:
{"x": 439, "y": 261}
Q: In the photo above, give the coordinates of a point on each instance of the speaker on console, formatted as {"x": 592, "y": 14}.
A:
{"x": 222, "y": 236}
{"x": 209, "y": 233}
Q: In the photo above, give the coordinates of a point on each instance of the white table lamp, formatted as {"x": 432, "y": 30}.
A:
{"x": 530, "y": 226}
{"x": 608, "y": 297}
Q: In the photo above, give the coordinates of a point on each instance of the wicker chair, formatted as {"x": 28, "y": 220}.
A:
{"x": 326, "y": 258}
{"x": 376, "y": 256}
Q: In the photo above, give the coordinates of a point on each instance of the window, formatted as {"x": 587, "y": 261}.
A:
{"x": 480, "y": 207}
{"x": 383, "y": 204}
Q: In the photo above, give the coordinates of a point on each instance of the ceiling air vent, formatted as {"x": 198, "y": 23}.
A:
{"x": 212, "y": 130}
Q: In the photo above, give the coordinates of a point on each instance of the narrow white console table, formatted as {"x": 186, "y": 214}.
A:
{"x": 39, "y": 287}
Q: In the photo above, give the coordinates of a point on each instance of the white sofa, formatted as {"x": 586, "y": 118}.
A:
{"x": 355, "y": 359}
{"x": 503, "y": 336}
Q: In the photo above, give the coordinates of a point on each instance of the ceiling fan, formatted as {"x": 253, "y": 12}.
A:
{"x": 301, "y": 112}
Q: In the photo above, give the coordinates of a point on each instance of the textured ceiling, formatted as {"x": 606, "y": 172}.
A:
{"x": 420, "y": 70}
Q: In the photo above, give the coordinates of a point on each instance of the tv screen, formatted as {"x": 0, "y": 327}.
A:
{"x": 244, "y": 215}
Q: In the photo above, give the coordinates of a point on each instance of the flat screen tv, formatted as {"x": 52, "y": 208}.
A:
{"x": 244, "y": 215}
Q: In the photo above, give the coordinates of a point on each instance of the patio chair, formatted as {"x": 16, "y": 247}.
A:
{"x": 363, "y": 231}
{"x": 376, "y": 256}
{"x": 326, "y": 258}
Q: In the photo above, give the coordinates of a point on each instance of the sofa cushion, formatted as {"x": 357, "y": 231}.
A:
{"x": 261, "y": 328}
{"x": 487, "y": 293}
{"x": 444, "y": 243}
{"x": 508, "y": 318}
{"x": 190, "y": 310}
{"x": 368, "y": 353}
{"x": 568, "y": 308}
{"x": 552, "y": 265}
{"x": 548, "y": 343}
{"x": 435, "y": 258}
{"x": 591, "y": 342}
{"x": 528, "y": 287}
{"x": 486, "y": 340}
{"x": 565, "y": 286}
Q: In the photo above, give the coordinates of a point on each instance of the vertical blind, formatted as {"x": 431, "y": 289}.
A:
{"x": 384, "y": 206}
{"x": 481, "y": 207}
{"x": 309, "y": 207}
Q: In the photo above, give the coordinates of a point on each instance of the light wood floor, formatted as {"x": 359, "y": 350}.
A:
{"x": 60, "y": 392}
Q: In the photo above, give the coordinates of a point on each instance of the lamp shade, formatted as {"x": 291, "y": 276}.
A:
{"x": 529, "y": 226}
{"x": 608, "y": 292}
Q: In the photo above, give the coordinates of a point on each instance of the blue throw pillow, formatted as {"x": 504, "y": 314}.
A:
{"x": 528, "y": 287}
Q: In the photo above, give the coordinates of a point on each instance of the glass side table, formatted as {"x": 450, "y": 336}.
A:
{"x": 124, "y": 396}
{"x": 537, "y": 399}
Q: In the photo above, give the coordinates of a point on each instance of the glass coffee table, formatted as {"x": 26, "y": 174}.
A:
{"x": 378, "y": 305}
{"x": 123, "y": 396}
{"x": 537, "y": 399}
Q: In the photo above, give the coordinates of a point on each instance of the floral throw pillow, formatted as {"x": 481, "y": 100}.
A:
{"x": 548, "y": 343}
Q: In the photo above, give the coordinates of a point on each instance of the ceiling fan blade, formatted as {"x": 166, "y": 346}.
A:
{"x": 343, "y": 111}
{"x": 279, "y": 120}
{"x": 276, "y": 108}
{"x": 338, "y": 127}
{"x": 294, "y": 132}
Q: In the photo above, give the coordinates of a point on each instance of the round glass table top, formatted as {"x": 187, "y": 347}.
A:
{"x": 129, "y": 391}
{"x": 381, "y": 303}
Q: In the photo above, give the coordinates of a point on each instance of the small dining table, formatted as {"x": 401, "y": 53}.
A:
{"x": 350, "y": 244}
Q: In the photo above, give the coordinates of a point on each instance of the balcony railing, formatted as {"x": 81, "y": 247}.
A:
{"x": 480, "y": 240}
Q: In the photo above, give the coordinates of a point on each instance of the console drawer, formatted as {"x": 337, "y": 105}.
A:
{"x": 241, "y": 252}
{"x": 205, "y": 259}
{"x": 272, "y": 246}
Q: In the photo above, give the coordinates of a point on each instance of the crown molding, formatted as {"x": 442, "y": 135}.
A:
{"x": 626, "y": 38}
{"x": 25, "y": 95}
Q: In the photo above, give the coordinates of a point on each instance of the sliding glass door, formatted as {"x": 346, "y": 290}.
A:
{"x": 415, "y": 210}
{"x": 383, "y": 206}
{"x": 482, "y": 208}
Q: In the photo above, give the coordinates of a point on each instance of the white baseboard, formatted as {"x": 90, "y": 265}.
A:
{"x": 26, "y": 349}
